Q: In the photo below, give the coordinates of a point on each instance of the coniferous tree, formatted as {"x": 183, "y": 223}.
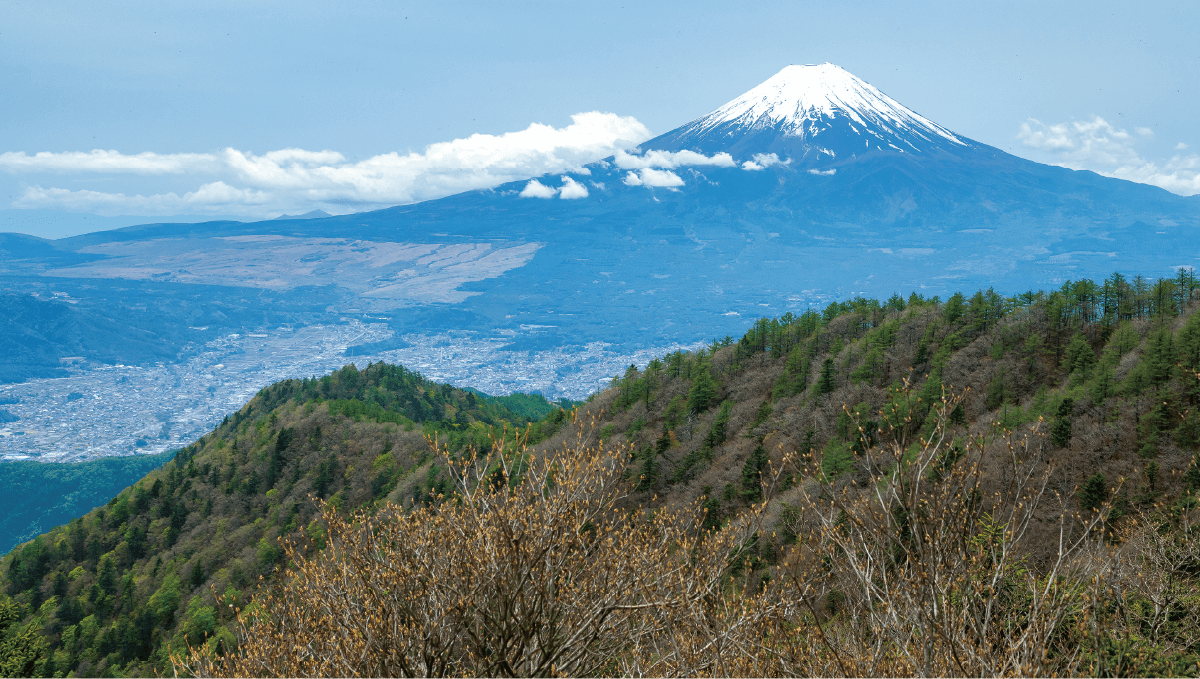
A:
{"x": 1060, "y": 431}
{"x": 649, "y": 475}
{"x": 752, "y": 473}
{"x": 1160, "y": 355}
{"x": 955, "y": 307}
{"x": 704, "y": 389}
{"x": 958, "y": 415}
{"x": 1094, "y": 492}
{"x": 828, "y": 381}
{"x": 1192, "y": 476}
{"x": 23, "y": 650}
{"x": 1079, "y": 356}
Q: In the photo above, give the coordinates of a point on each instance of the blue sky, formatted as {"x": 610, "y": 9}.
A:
{"x": 254, "y": 108}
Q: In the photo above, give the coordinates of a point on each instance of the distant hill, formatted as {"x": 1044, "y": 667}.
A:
{"x": 312, "y": 214}
{"x": 532, "y": 406}
{"x": 37, "y": 333}
{"x": 53, "y": 494}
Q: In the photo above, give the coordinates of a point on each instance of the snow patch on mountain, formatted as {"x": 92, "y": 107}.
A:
{"x": 796, "y": 99}
{"x": 813, "y": 115}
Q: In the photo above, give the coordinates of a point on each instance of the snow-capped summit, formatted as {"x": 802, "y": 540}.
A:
{"x": 815, "y": 113}
{"x": 797, "y": 98}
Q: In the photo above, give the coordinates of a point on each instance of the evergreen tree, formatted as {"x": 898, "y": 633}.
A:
{"x": 704, "y": 389}
{"x": 325, "y": 474}
{"x": 1060, "y": 431}
{"x": 663, "y": 444}
{"x": 649, "y": 475}
{"x": 828, "y": 381}
{"x": 1094, "y": 492}
{"x": 1192, "y": 476}
{"x": 1079, "y": 356}
{"x": 996, "y": 391}
{"x": 717, "y": 433}
{"x": 23, "y": 650}
{"x": 958, "y": 415}
{"x": 794, "y": 379}
{"x": 752, "y": 473}
{"x": 955, "y": 307}
{"x": 1103, "y": 386}
{"x": 1160, "y": 355}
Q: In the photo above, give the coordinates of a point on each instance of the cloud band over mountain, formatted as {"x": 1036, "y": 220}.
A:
{"x": 236, "y": 182}
{"x": 259, "y": 185}
{"x": 1098, "y": 146}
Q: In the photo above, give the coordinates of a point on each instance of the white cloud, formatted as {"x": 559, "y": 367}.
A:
{"x": 825, "y": 173}
{"x": 536, "y": 189}
{"x": 650, "y": 177}
{"x": 663, "y": 178}
{"x": 109, "y": 161}
{"x": 296, "y": 179}
{"x": 200, "y": 201}
{"x": 761, "y": 161}
{"x": 1098, "y": 146}
{"x": 670, "y": 159}
{"x": 572, "y": 189}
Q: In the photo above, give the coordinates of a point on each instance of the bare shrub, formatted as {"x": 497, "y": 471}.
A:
{"x": 924, "y": 571}
{"x": 533, "y": 568}
{"x": 931, "y": 565}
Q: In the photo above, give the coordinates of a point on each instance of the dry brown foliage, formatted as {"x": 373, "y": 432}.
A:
{"x": 537, "y": 567}
{"x": 925, "y": 572}
{"x": 532, "y": 568}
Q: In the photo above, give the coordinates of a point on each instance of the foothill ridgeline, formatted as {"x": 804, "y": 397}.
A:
{"x": 953, "y": 443}
{"x": 976, "y": 445}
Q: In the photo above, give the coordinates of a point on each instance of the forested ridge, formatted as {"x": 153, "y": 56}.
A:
{"x": 110, "y": 592}
{"x": 1099, "y": 378}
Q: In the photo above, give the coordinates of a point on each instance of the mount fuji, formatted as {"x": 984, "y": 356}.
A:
{"x": 810, "y": 187}
{"x": 814, "y": 115}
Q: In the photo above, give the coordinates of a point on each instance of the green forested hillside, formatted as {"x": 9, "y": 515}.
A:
{"x": 47, "y": 495}
{"x": 113, "y": 589}
{"x": 1101, "y": 376}
{"x": 1107, "y": 376}
{"x": 534, "y": 406}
